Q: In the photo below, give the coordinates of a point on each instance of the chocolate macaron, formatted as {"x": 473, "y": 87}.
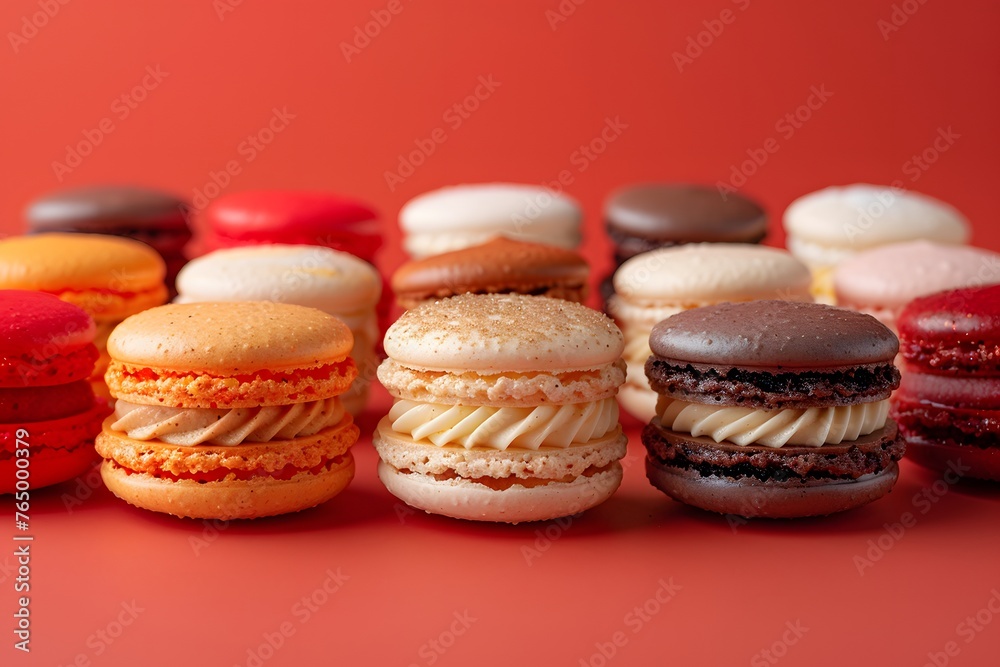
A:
{"x": 156, "y": 218}
{"x": 948, "y": 405}
{"x": 644, "y": 217}
{"x": 499, "y": 266}
{"x": 772, "y": 409}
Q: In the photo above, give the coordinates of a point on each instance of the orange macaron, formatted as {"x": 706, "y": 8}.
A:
{"x": 228, "y": 410}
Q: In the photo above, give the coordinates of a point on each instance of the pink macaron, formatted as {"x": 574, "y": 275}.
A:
{"x": 882, "y": 281}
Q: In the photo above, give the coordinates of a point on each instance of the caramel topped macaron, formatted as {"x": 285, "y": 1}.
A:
{"x": 504, "y": 408}
{"x": 499, "y": 266}
{"x": 229, "y": 410}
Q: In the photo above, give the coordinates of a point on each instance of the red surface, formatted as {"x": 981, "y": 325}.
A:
{"x": 209, "y": 594}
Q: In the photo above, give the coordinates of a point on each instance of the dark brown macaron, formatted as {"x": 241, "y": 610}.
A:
{"x": 644, "y": 217}
{"x": 499, "y": 266}
{"x": 156, "y": 218}
{"x": 641, "y": 218}
{"x": 774, "y": 409}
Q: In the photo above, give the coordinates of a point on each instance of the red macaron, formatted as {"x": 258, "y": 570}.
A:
{"x": 292, "y": 217}
{"x": 948, "y": 404}
{"x": 47, "y": 407}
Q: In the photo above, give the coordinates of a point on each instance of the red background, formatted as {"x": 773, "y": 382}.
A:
{"x": 352, "y": 121}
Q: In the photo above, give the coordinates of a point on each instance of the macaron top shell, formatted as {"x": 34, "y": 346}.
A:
{"x": 73, "y": 262}
{"x": 106, "y": 208}
{"x": 314, "y": 276}
{"x": 496, "y": 263}
{"x": 956, "y": 332}
{"x": 774, "y": 334}
{"x": 685, "y": 213}
{"x": 492, "y": 333}
{"x": 33, "y": 322}
{"x": 705, "y": 273}
{"x": 893, "y": 275}
{"x": 863, "y": 216}
{"x": 288, "y": 216}
{"x": 230, "y": 338}
{"x": 491, "y": 207}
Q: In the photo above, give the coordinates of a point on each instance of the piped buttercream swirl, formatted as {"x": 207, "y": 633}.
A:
{"x": 809, "y": 427}
{"x": 499, "y": 428}
{"x": 195, "y": 426}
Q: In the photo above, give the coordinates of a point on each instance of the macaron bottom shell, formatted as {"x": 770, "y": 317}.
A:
{"x": 506, "y": 486}
{"x": 229, "y": 499}
{"x": 752, "y": 498}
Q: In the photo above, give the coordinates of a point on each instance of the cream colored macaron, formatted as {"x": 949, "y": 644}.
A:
{"x": 504, "y": 408}
{"x": 461, "y": 216}
{"x": 828, "y": 226}
{"x": 335, "y": 282}
{"x": 655, "y": 285}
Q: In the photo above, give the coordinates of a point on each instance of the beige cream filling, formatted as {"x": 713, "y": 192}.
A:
{"x": 499, "y": 428}
{"x": 195, "y": 426}
{"x": 809, "y": 427}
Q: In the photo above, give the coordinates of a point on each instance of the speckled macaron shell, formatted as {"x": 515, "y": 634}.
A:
{"x": 230, "y": 338}
{"x": 844, "y": 219}
{"x": 774, "y": 334}
{"x": 313, "y": 276}
{"x": 891, "y": 276}
{"x": 705, "y": 273}
{"x": 492, "y": 333}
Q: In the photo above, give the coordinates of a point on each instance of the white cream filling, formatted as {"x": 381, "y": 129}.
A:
{"x": 194, "y": 426}
{"x": 499, "y": 428}
{"x": 808, "y": 427}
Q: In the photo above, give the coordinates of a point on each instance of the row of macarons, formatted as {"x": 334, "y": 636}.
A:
{"x": 676, "y": 246}
{"x": 823, "y": 228}
{"x": 504, "y": 405}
